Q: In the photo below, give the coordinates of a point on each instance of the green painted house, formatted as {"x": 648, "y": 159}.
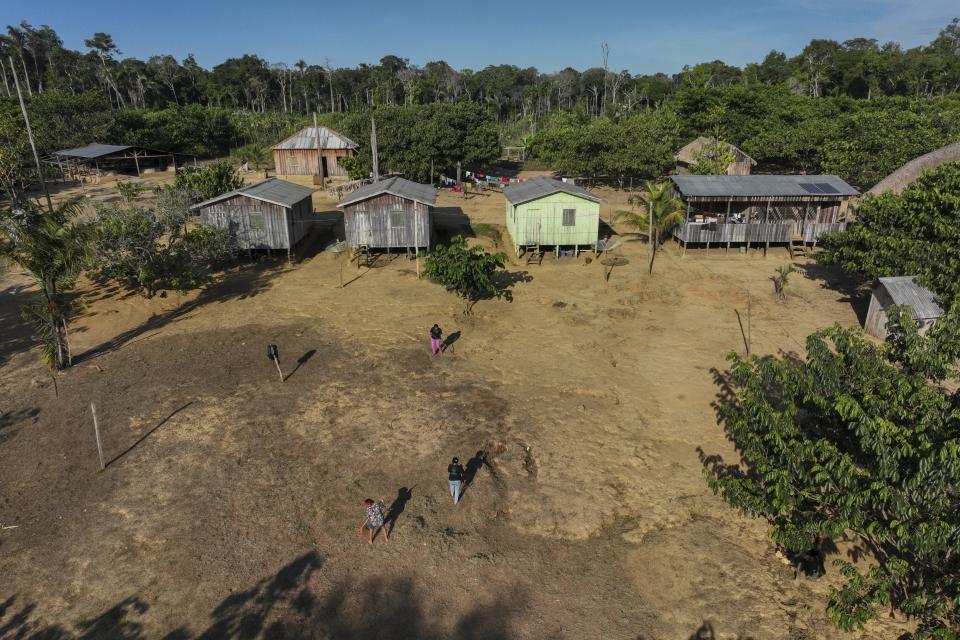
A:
{"x": 544, "y": 212}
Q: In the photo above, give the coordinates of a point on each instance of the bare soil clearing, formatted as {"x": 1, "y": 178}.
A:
{"x": 231, "y": 501}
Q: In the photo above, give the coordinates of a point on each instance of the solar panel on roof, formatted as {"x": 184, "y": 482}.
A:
{"x": 826, "y": 187}
{"x": 810, "y": 187}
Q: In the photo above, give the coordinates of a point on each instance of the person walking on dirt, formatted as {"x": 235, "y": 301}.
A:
{"x": 436, "y": 334}
{"x": 374, "y": 520}
{"x": 455, "y": 478}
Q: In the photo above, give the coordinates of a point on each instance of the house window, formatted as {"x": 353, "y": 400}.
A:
{"x": 256, "y": 220}
{"x": 397, "y": 219}
{"x": 293, "y": 162}
{"x": 569, "y": 217}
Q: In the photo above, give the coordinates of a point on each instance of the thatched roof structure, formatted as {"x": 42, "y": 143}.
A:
{"x": 902, "y": 177}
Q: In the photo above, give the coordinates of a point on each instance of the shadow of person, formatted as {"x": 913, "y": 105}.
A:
{"x": 474, "y": 465}
{"x": 396, "y": 507}
{"x": 450, "y": 339}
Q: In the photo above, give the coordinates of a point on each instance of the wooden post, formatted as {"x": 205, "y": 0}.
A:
{"x": 373, "y": 150}
{"x": 33, "y": 145}
{"x": 766, "y": 223}
{"x": 686, "y": 228}
{"x": 727, "y": 221}
{"x": 96, "y": 432}
{"x": 650, "y": 240}
{"x": 136, "y": 162}
{"x": 747, "y": 229}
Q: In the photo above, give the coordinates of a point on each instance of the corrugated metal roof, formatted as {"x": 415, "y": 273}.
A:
{"x": 905, "y": 290}
{"x": 541, "y": 186}
{"x": 401, "y": 187}
{"x": 760, "y": 186}
{"x": 317, "y": 138}
{"x": 274, "y": 191}
{"x": 90, "y": 151}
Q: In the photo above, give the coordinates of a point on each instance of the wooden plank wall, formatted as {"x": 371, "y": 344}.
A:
{"x": 734, "y": 233}
{"x": 876, "y": 322}
{"x": 305, "y": 162}
{"x": 254, "y": 224}
{"x": 369, "y": 222}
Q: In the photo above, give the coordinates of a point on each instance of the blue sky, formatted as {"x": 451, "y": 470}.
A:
{"x": 644, "y": 37}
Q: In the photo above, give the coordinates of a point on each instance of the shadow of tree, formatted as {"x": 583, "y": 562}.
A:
{"x": 854, "y": 290}
{"x": 17, "y": 334}
{"x": 504, "y": 281}
{"x": 245, "y": 282}
{"x": 810, "y": 562}
{"x": 10, "y": 421}
{"x": 285, "y": 606}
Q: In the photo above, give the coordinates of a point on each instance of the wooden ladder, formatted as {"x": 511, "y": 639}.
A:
{"x": 797, "y": 247}
{"x": 533, "y": 254}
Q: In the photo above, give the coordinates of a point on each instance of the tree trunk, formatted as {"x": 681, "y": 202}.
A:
{"x": 26, "y": 76}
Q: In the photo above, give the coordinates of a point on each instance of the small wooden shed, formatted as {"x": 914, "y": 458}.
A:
{"x": 313, "y": 151}
{"x": 273, "y": 214}
{"x": 391, "y": 213}
{"x": 688, "y": 155}
{"x": 97, "y": 159}
{"x": 548, "y": 212}
{"x": 902, "y": 290}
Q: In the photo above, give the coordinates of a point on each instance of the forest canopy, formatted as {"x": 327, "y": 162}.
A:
{"x": 857, "y": 108}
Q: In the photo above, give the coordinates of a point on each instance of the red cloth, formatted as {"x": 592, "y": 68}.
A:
{"x": 455, "y": 189}
{"x": 504, "y": 179}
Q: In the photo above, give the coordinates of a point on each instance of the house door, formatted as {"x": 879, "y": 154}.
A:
{"x": 363, "y": 228}
{"x": 531, "y": 230}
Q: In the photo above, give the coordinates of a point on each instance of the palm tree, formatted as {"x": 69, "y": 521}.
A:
{"x": 253, "y": 153}
{"x": 51, "y": 249}
{"x": 663, "y": 211}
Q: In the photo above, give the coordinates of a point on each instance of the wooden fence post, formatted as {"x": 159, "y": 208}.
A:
{"x": 96, "y": 432}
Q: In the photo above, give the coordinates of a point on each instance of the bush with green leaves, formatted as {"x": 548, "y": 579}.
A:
{"x": 860, "y": 441}
{"x": 208, "y": 181}
{"x": 51, "y": 248}
{"x": 468, "y": 271}
{"x": 490, "y": 231}
{"x": 781, "y": 278}
{"x": 915, "y": 233}
{"x": 352, "y": 166}
{"x": 150, "y": 249}
{"x": 130, "y": 190}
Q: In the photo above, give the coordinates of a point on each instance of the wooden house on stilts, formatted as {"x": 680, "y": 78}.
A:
{"x": 313, "y": 151}
{"x": 390, "y": 214}
{"x": 761, "y": 209}
{"x": 273, "y": 214}
{"x": 548, "y": 212}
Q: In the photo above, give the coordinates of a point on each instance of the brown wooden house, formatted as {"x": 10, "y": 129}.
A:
{"x": 392, "y": 213}
{"x": 689, "y": 154}
{"x": 313, "y": 151}
{"x": 273, "y": 214}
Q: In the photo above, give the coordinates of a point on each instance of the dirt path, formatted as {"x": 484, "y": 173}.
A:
{"x": 230, "y": 506}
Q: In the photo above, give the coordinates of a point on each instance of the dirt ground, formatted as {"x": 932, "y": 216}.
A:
{"x": 231, "y": 500}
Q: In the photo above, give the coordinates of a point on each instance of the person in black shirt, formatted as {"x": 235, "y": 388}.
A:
{"x": 455, "y": 478}
{"x": 436, "y": 333}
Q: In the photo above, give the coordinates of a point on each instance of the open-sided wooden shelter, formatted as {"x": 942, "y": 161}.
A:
{"x": 97, "y": 159}
{"x": 313, "y": 151}
{"x": 902, "y": 290}
{"x": 273, "y": 214}
{"x": 725, "y": 210}
{"x": 390, "y": 214}
{"x": 548, "y": 212}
